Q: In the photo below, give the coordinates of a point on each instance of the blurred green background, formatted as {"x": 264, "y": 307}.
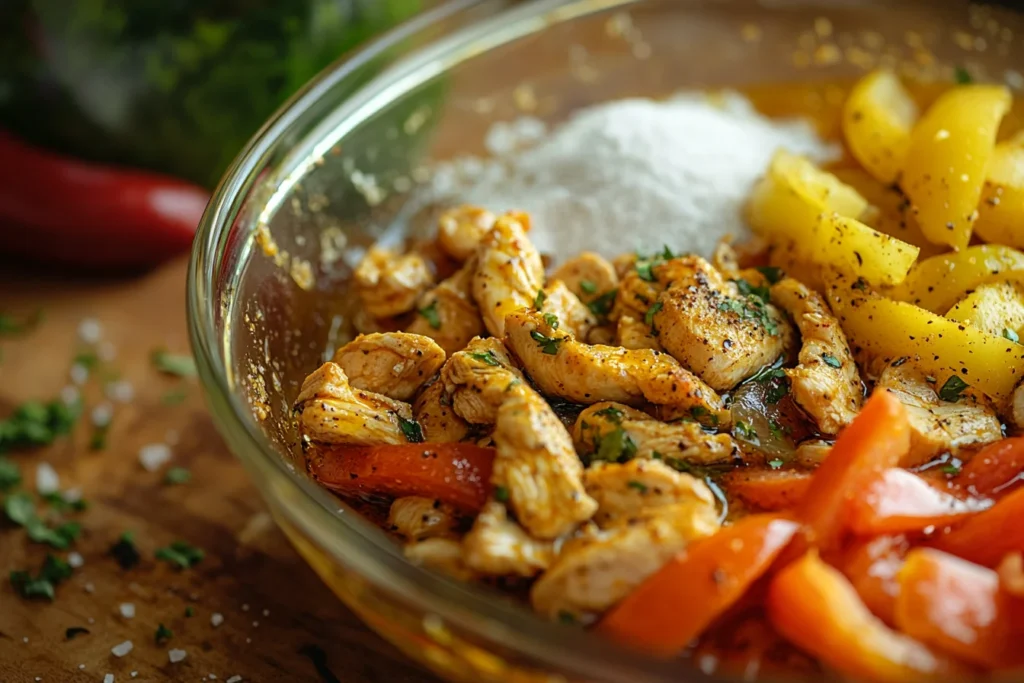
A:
{"x": 176, "y": 86}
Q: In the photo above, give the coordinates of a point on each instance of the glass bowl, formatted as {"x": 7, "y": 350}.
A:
{"x": 339, "y": 166}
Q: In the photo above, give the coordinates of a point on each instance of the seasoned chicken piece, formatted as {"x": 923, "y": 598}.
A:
{"x": 812, "y": 453}
{"x": 388, "y": 283}
{"x": 480, "y": 378}
{"x": 612, "y": 431}
{"x": 536, "y": 466}
{"x": 594, "y": 572}
{"x": 631, "y": 333}
{"x": 498, "y": 546}
{"x": 711, "y": 328}
{"x": 725, "y": 260}
{"x": 588, "y": 276}
{"x": 448, "y": 314}
{"x": 331, "y": 411}
{"x": 937, "y": 426}
{"x": 395, "y": 364}
{"x": 636, "y": 295}
{"x": 442, "y": 555}
{"x": 417, "y": 517}
{"x": 627, "y": 490}
{"x": 602, "y": 334}
{"x": 460, "y": 230}
{"x": 825, "y": 383}
{"x": 436, "y": 417}
{"x": 509, "y": 273}
{"x": 623, "y": 264}
{"x": 572, "y": 315}
{"x": 580, "y": 373}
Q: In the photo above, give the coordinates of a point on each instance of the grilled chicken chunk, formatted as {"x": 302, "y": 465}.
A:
{"x": 389, "y": 284}
{"x": 536, "y": 465}
{"x": 602, "y": 334}
{"x": 509, "y": 273}
{"x": 417, "y": 518}
{"x": 937, "y": 426}
{"x": 825, "y": 383}
{"x": 631, "y": 333}
{"x": 631, "y": 489}
{"x": 331, "y": 411}
{"x": 571, "y": 313}
{"x": 608, "y": 431}
{"x": 561, "y": 366}
{"x": 636, "y": 295}
{"x": 588, "y": 276}
{"x": 460, "y": 230}
{"x": 480, "y": 378}
{"x": 726, "y": 261}
{"x": 434, "y": 412}
{"x": 498, "y": 546}
{"x": 442, "y": 555}
{"x": 713, "y": 329}
{"x": 448, "y": 314}
{"x": 395, "y": 364}
{"x": 593, "y": 572}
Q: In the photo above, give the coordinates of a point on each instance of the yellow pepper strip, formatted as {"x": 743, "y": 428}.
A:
{"x": 996, "y": 308}
{"x": 890, "y": 329}
{"x": 1001, "y": 211}
{"x": 938, "y": 282}
{"x": 878, "y": 118}
{"x": 947, "y": 162}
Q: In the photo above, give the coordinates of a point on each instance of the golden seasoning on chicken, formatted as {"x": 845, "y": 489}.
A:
{"x": 480, "y": 379}
{"x": 536, "y": 468}
{"x": 570, "y": 312}
{"x": 388, "y": 284}
{"x": 331, "y": 411}
{"x": 460, "y": 230}
{"x": 442, "y": 555}
{"x": 631, "y": 333}
{"x": 498, "y": 546}
{"x": 435, "y": 415}
{"x": 509, "y": 273}
{"x": 447, "y": 313}
{"x": 825, "y": 382}
{"x": 417, "y": 517}
{"x": 589, "y": 276}
{"x": 395, "y": 364}
{"x": 631, "y": 489}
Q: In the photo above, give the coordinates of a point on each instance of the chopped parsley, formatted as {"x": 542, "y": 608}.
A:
{"x": 501, "y": 494}
{"x": 950, "y": 468}
{"x": 748, "y": 290}
{"x": 615, "y": 446}
{"x": 566, "y": 617}
{"x": 645, "y": 265}
{"x": 173, "y": 364}
{"x": 174, "y": 397}
{"x": 43, "y": 585}
{"x": 775, "y": 463}
{"x": 962, "y": 76}
{"x": 513, "y": 384}
{"x": 952, "y": 389}
{"x": 87, "y": 359}
{"x": 125, "y": 552}
{"x": 651, "y": 312}
{"x": 753, "y": 308}
{"x": 861, "y": 285}
{"x": 163, "y": 634}
{"x": 58, "y": 502}
{"x": 771, "y": 273}
{"x": 773, "y": 379}
{"x": 638, "y": 485}
{"x": 98, "y": 439}
{"x": 775, "y": 429}
{"x": 601, "y": 306}
{"x": 190, "y": 611}
{"x": 486, "y": 357}
{"x": 588, "y": 287}
{"x": 37, "y": 424}
{"x": 10, "y": 475}
{"x": 551, "y": 320}
{"x": 180, "y": 554}
{"x": 9, "y": 325}
{"x": 538, "y": 301}
{"x": 19, "y": 508}
{"x": 177, "y": 475}
{"x": 1011, "y": 335}
{"x": 547, "y": 344}
{"x": 75, "y": 631}
{"x": 745, "y": 431}
{"x": 612, "y": 413}
{"x": 411, "y": 429}
{"x": 431, "y": 314}
{"x": 703, "y": 415}
{"x": 702, "y": 471}
{"x": 831, "y": 360}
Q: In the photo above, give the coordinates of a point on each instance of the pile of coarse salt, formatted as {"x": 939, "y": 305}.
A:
{"x": 631, "y": 174}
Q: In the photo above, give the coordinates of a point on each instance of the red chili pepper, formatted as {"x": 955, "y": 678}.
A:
{"x": 55, "y": 208}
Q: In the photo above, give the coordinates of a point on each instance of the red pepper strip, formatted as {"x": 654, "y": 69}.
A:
{"x": 995, "y": 470}
{"x": 768, "y": 490}
{"x": 989, "y": 536}
{"x": 872, "y": 565}
{"x": 900, "y": 501}
{"x": 455, "y": 473}
{"x": 59, "y": 209}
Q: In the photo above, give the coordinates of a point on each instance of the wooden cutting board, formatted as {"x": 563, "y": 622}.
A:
{"x": 280, "y": 623}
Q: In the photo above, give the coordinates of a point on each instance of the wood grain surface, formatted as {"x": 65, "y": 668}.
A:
{"x": 280, "y": 623}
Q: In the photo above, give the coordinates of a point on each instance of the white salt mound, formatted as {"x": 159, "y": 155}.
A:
{"x": 639, "y": 174}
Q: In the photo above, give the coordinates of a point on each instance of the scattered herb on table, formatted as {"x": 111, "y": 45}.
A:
{"x": 181, "y": 554}
{"x": 98, "y": 439}
{"x": 190, "y": 611}
{"x": 962, "y": 76}
{"x": 411, "y": 429}
{"x": 431, "y": 314}
{"x": 125, "y": 552}
{"x": 10, "y": 475}
{"x": 174, "y": 397}
{"x": 75, "y": 631}
{"x": 42, "y": 585}
{"x": 59, "y": 502}
{"x": 163, "y": 634}
{"x": 34, "y": 423}
{"x": 11, "y": 325}
{"x": 952, "y": 389}
{"x": 177, "y": 475}
{"x": 179, "y": 365}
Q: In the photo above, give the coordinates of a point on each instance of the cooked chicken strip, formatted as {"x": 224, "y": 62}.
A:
{"x": 594, "y": 572}
{"x": 388, "y": 284}
{"x": 711, "y": 328}
{"x": 331, "y": 411}
{"x": 561, "y": 366}
{"x": 536, "y": 466}
{"x": 447, "y": 313}
{"x": 498, "y": 546}
{"x": 417, "y": 517}
{"x": 395, "y": 364}
{"x": 588, "y": 276}
{"x": 635, "y": 296}
{"x": 436, "y": 417}
{"x": 609, "y": 430}
{"x": 725, "y": 260}
{"x": 602, "y": 334}
{"x": 626, "y": 490}
{"x": 442, "y": 555}
{"x": 460, "y": 230}
{"x": 937, "y": 426}
{"x": 571, "y": 313}
{"x": 509, "y": 273}
{"x": 631, "y": 333}
{"x": 825, "y": 383}
{"x": 480, "y": 378}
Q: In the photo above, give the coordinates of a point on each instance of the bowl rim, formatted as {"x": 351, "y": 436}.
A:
{"x": 365, "y": 549}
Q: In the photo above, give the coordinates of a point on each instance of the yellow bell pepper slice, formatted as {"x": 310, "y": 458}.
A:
{"x": 878, "y": 118}
{"x": 890, "y": 329}
{"x": 947, "y": 162}
{"x": 1001, "y": 211}
{"x": 996, "y": 308}
{"x": 938, "y": 282}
